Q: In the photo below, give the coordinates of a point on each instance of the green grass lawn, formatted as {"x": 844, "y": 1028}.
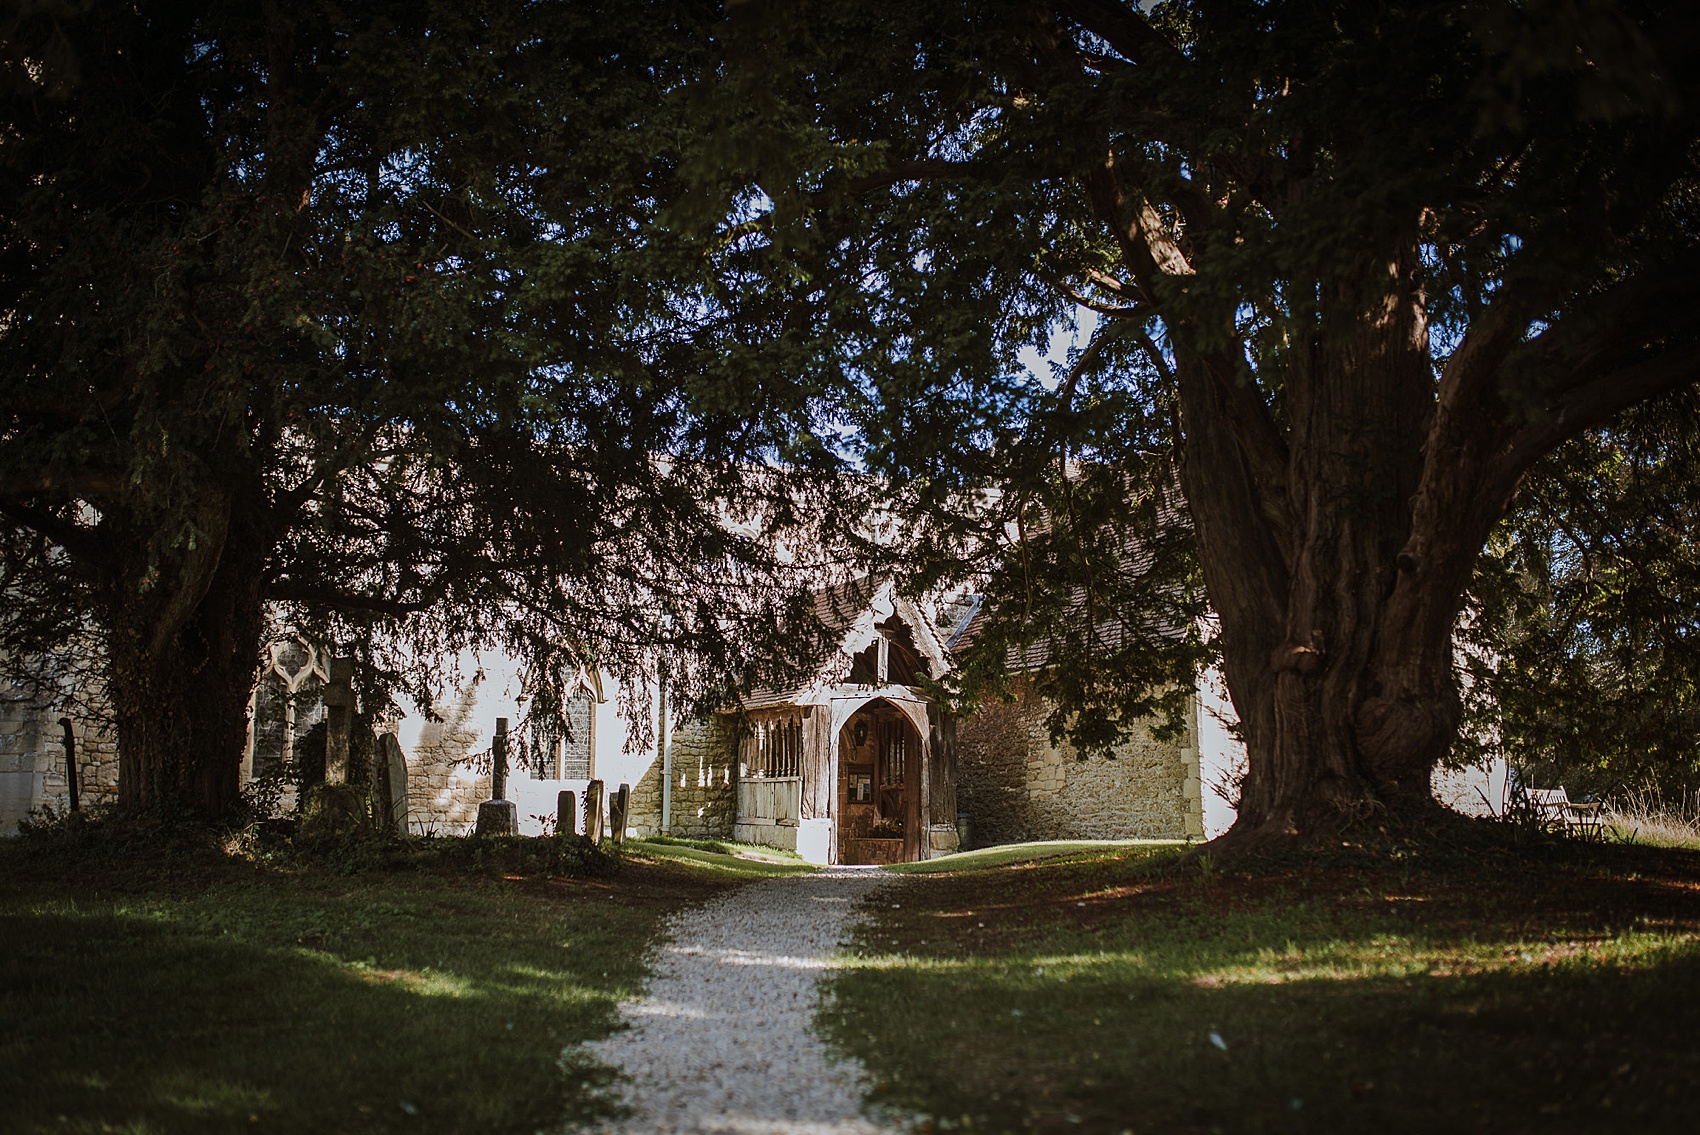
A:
{"x": 753, "y": 860}
{"x": 1008, "y": 853}
{"x": 194, "y": 992}
{"x": 1108, "y": 991}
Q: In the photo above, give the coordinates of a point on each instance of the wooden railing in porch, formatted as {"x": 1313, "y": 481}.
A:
{"x": 776, "y": 799}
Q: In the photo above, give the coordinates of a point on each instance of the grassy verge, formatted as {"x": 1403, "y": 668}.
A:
{"x": 751, "y": 860}
{"x": 185, "y": 991}
{"x": 1110, "y": 991}
{"x": 1006, "y": 854}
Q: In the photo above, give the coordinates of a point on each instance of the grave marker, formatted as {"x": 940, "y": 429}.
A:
{"x": 593, "y": 794}
{"x": 619, "y": 807}
{"x": 499, "y": 815}
{"x": 566, "y": 813}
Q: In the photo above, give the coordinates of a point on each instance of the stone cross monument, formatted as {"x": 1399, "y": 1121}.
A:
{"x": 498, "y": 815}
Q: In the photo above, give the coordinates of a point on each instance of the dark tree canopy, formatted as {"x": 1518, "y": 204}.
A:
{"x": 1355, "y": 266}
{"x": 360, "y": 318}
{"x": 448, "y": 324}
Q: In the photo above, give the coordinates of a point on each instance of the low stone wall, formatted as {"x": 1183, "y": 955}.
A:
{"x": 705, "y": 756}
{"x": 1018, "y": 786}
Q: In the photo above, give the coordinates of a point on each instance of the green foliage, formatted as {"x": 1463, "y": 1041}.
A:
{"x": 1583, "y": 665}
{"x": 572, "y": 856}
{"x": 104, "y": 840}
{"x": 363, "y": 319}
{"x": 1228, "y": 208}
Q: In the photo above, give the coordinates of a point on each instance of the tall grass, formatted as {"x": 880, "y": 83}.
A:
{"x": 1646, "y": 815}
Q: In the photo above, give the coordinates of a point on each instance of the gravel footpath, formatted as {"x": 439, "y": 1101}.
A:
{"x": 721, "y": 1044}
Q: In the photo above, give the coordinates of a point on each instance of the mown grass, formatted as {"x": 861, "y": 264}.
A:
{"x": 183, "y": 991}
{"x": 1003, "y": 854}
{"x": 752, "y": 860}
{"x": 1552, "y": 991}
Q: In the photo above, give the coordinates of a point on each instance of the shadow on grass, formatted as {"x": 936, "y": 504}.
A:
{"x": 275, "y": 1006}
{"x": 1109, "y": 997}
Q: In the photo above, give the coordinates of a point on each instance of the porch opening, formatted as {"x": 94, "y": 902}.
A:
{"x": 879, "y": 786}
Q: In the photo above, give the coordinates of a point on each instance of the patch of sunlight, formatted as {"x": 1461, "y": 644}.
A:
{"x": 104, "y": 1127}
{"x": 742, "y": 958}
{"x": 426, "y": 982}
{"x": 70, "y": 908}
{"x": 849, "y": 961}
{"x": 533, "y": 973}
{"x": 1399, "y": 958}
{"x": 734, "y": 862}
{"x": 1002, "y": 854}
{"x": 203, "y": 1098}
{"x": 1064, "y": 966}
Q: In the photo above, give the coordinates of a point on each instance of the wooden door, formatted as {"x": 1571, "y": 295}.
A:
{"x": 915, "y": 818}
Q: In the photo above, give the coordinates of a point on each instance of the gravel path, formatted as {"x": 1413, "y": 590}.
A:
{"x": 721, "y": 1044}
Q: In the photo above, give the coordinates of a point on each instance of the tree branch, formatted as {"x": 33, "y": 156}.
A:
{"x": 1585, "y": 406}
{"x": 914, "y": 169}
{"x": 82, "y": 542}
{"x": 1123, "y": 28}
{"x": 80, "y": 483}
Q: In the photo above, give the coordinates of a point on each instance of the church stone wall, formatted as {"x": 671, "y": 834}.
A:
{"x": 32, "y": 762}
{"x": 705, "y": 794}
{"x": 443, "y": 793}
{"x": 1018, "y": 786}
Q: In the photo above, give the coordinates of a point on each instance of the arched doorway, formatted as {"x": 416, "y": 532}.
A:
{"x": 879, "y": 786}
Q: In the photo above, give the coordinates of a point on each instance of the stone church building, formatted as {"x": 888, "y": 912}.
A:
{"x": 859, "y": 764}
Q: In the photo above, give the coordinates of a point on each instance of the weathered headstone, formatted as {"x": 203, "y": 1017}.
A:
{"x": 619, "y": 807}
{"x": 499, "y": 761}
{"x": 566, "y": 812}
{"x": 499, "y": 815}
{"x": 392, "y": 785}
{"x": 339, "y": 712}
{"x": 593, "y": 811}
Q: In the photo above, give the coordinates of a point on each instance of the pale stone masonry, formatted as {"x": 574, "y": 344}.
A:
{"x": 1017, "y": 785}
{"x": 443, "y": 791}
{"x": 705, "y": 758}
{"x": 32, "y": 762}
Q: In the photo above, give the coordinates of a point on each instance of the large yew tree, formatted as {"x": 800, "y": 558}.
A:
{"x": 1360, "y": 264}
{"x": 357, "y": 316}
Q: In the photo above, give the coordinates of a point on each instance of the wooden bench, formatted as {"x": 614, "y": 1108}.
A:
{"x": 1585, "y": 820}
{"x": 1558, "y": 813}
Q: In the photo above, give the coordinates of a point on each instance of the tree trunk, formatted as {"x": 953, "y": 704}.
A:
{"x": 1338, "y": 658}
{"x": 183, "y": 650}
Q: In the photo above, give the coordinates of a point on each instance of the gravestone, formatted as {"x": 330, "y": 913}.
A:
{"x": 566, "y": 813}
{"x": 339, "y": 712}
{"x": 499, "y": 815}
{"x": 499, "y": 761}
{"x": 392, "y": 785}
{"x": 619, "y": 807}
{"x": 593, "y": 811}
